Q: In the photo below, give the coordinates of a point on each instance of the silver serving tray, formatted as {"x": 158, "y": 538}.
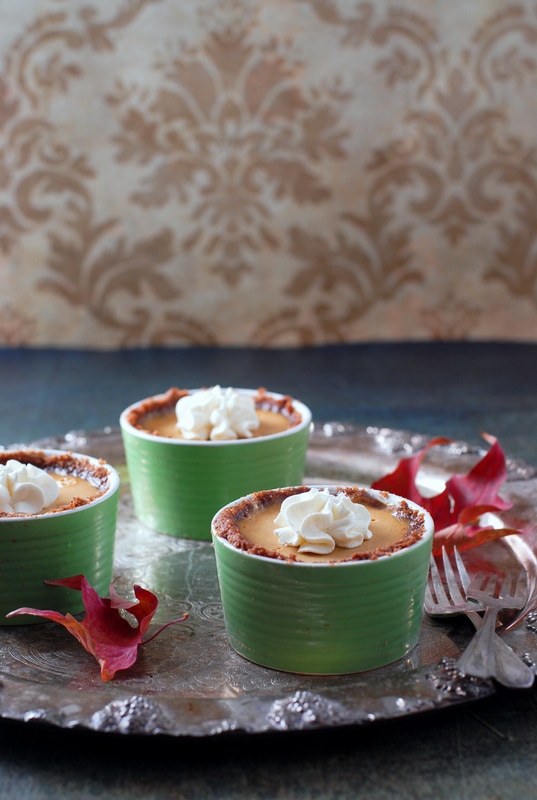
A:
{"x": 189, "y": 682}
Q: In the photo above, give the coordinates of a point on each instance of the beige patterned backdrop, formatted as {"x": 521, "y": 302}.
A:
{"x": 268, "y": 172}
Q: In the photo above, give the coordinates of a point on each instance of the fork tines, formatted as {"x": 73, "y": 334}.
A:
{"x": 446, "y": 594}
{"x": 509, "y": 592}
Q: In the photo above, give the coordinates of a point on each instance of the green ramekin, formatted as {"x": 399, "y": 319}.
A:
{"x": 60, "y": 544}
{"x": 178, "y": 485}
{"x": 324, "y": 619}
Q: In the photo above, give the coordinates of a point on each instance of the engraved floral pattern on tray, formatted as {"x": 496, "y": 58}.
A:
{"x": 189, "y": 682}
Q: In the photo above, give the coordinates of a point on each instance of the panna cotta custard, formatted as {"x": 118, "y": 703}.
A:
{"x": 318, "y": 525}
{"x": 322, "y": 579}
{"x": 32, "y": 482}
{"x": 58, "y": 514}
{"x": 191, "y": 451}
{"x": 214, "y": 414}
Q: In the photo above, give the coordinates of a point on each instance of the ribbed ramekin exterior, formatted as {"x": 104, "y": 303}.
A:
{"x": 177, "y": 486}
{"x": 55, "y": 546}
{"x": 323, "y": 619}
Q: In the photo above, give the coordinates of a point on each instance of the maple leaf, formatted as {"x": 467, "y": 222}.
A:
{"x": 465, "y": 499}
{"x": 105, "y": 632}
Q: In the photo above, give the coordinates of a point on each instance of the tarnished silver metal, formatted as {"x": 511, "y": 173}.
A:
{"x": 189, "y": 682}
{"x": 487, "y": 655}
{"x": 445, "y": 595}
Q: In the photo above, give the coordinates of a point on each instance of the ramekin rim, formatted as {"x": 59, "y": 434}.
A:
{"x": 301, "y": 407}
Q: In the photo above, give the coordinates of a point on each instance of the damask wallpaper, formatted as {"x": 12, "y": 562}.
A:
{"x": 268, "y": 172}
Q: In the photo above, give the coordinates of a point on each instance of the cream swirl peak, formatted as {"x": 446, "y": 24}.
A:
{"x": 318, "y": 522}
{"x": 216, "y": 414}
{"x": 25, "y": 489}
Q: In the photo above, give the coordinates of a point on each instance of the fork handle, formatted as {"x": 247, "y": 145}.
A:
{"x": 511, "y": 671}
{"x": 478, "y": 658}
{"x": 488, "y": 656}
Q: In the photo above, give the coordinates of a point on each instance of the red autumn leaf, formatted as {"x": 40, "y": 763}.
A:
{"x": 481, "y": 484}
{"x": 105, "y": 632}
{"x": 402, "y": 481}
{"x": 456, "y": 510}
{"x": 463, "y": 537}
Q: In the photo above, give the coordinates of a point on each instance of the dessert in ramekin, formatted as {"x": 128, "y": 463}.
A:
{"x": 191, "y": 451}
{"x": 58, "y": 513}
{"x": 353, "y": 604}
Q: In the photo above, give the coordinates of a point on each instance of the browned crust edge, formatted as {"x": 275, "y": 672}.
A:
{"x": 225, "y": 523}
{"x": 165, "y": 403}
{"x": 65, "y": 464}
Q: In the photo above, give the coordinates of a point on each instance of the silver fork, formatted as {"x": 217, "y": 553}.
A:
{"x": 481, "y": 656}
{"x": 448, "y": 599}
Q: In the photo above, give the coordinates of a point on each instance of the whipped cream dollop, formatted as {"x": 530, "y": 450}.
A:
{"x": 25, "y": 488}
{"x": 216, "y": 414}
{"x": 317, "y": 522}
